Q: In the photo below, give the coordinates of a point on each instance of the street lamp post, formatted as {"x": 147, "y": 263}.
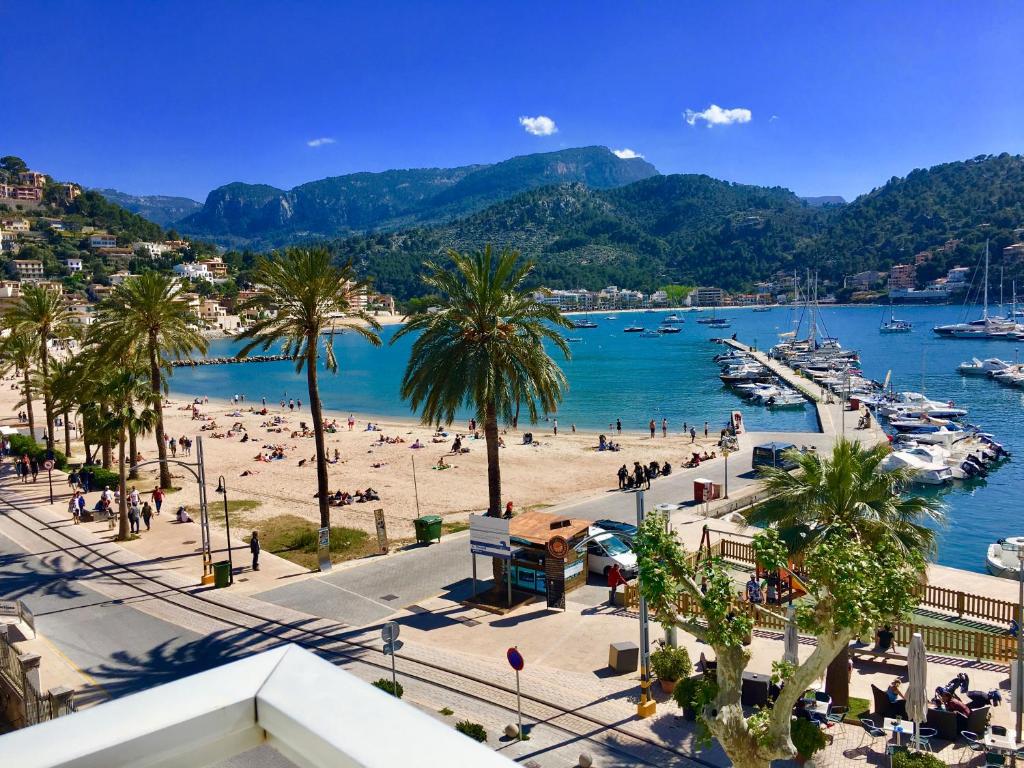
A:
{"x": 222, "y": 488}
{"x": 647, "y": 705}
{"x": 198, "y": 470}
{"x": 1018, "y": 689}
{"x": 725, "y": 453}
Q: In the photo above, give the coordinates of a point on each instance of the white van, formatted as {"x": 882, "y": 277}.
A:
{"x": 606, "y": 550}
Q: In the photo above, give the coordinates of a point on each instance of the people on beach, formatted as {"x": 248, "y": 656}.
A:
{"x": 664, "y": 427}
{"x": 652, "y": 428}
{"x": 693, "y": 435}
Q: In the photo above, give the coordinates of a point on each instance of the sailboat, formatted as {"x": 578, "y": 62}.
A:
{"x": 586, "y": 322}
{"x": 892, "y": 325}
{"x": 986, "y": 327}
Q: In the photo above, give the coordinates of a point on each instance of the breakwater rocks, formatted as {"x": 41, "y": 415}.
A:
{"x": 228, "y": 360}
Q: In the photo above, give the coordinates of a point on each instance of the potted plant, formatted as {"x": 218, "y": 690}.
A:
{"x": 807, "y": 738}
{"x": 686, "y": 693}
{"x": 670, "y": 665}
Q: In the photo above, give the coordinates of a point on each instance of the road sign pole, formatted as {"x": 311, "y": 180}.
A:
{"x": 49, "y": 477}
{"x": 394, "y": 677}
{"x": 519, "y": 707}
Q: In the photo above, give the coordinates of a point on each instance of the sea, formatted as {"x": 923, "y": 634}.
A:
{"x": 616, "y": 375}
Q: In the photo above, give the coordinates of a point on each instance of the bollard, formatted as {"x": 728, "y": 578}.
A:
{"x": 585, "y": 761}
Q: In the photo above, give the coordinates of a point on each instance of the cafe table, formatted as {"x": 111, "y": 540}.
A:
{"x": 1004, "y": 744}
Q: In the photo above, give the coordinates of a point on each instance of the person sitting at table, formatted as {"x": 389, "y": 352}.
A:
{"x": 953, "y": 704}
{"x": 893, "y": 691}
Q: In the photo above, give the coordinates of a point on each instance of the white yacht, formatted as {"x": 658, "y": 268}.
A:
{"x": 987, "y": 367}
{"x": 926, "y": 469}
{"x": 1003, "y": 557}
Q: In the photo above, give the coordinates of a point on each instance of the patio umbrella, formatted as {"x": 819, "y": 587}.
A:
{"x": 917, "y": 691}
{"x": 790, "y": 640}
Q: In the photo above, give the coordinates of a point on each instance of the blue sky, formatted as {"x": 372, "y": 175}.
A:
{"x": 178, "y": 98}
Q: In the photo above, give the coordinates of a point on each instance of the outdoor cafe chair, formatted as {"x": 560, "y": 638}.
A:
{"x": 924, "y": 736}
{"x": 971, "y": 742}
{"x": 998, "y": 730}
{"x": 871, "y": 732}
{"x": 837, "y": 715}
{"x": 995, "y": 759}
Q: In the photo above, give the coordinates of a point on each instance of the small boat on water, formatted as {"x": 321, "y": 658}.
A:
{"x": 633, "y": 329}
{"x": 788, "y": 399}
{"x": 719, "y": 322}
{"x": 892, "y": 325}
{"x": 987, "y": 367}
{"x": 573, "y": 339}
{"x": 1003, "y": 558}
{"x": 612, "y": 317}
{"x": 926, "y": 470}
{"x": 672, "y": 319}
{"x": 669, "y": 329}
{"x": 650, "y": 335}
{"x": 584, "y": 324}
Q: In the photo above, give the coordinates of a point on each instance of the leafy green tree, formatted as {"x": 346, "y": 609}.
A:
{"x": 854, "y": 585}
{"x": 306, "y": 297}
{"x": 484, "y": 349}
{"x": 43, "y": 314}
{"x": 12, "y": 166}
{"x": 846, "y": 490}
{"x": 146, "y": 315}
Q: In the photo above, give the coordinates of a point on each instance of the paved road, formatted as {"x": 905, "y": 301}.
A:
{"x": 366, "y": 593}
{"x": 121, "y": 648}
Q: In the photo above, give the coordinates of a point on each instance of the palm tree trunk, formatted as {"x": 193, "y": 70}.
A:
{"x": 133, "y": 451}
{"x": 158, "y": 406}
{"x": 44, "y": 363}
{"x": 493, "y": 467}
{"x": 67, "y": 434}
{"x": 122, "y": 505}
{"x": 28, "y": 406}
{"x": 107, "y": 452}
{"x": 318, "y": 431}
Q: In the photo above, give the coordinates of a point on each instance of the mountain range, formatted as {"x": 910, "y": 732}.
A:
{"x": 160, "y": 209}
{"x": 590, "y": 219}
{"x": 261, "y": 216}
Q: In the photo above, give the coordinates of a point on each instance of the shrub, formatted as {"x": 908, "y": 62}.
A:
{"x": 21, "y": 444}
{"x": 473, "y": 730}
{"x": 692, "y": 693}
{"x": 670, "y": 663}
{"x": 916, "y": 760}
{"x": 807, "y": 737}
{"x": 395, "y": 689}
{"x": 102, "y": 477}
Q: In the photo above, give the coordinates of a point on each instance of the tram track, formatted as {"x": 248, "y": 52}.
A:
{"x": 579, "y": 726}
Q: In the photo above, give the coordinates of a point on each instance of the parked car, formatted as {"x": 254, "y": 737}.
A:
{"x": 614, "y": 526}
{"x": 606, "y": 550}
{"x": 773, "y": 455}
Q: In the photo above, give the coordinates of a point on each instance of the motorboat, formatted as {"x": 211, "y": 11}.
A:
{"x": 669, "y": 329}
{"x": 650, "y": 335}
{"x": 633, "y": 329}
{"x": 762, "y": 308}
{"x": 573, "y": 339}
{"x": 719, "y": 322}
{"x": 1004, "y": 557}
{"x": 786, "y": 399}
{"x": 612, "y": 317}
{"x": 987, "y": 367}
{"x": 926, "y": 471}
{"x": 672, "y": 319}
{"x": 585, "y": 323}
{"x": 745, "y": 373}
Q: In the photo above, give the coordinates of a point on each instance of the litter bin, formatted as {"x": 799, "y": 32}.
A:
{"x": 428, "y": 528}
{"x": 222, "y": 574}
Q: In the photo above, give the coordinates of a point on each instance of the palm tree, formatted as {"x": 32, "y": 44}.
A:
{"x": 304, "y": 295}
{"x": 19, "y": 349}
{"x": 147, "y": 315}
{"x": 127, "y": 407}
{"x": 844, "y": 492}
{"x": 43, "y": 314}
{"x": 484, "y": 349}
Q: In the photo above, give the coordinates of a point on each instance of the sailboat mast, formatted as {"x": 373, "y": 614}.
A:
{"x": 984, "y": 315}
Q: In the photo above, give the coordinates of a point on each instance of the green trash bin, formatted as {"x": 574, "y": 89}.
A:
{"x": 222, "y": 574}
{"x": 428, "y": 528}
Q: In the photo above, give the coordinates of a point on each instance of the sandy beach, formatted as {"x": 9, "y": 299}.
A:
{"x": 560, "y": 468}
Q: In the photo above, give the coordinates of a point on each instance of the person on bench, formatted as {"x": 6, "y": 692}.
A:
{"x": 883, "y": 640}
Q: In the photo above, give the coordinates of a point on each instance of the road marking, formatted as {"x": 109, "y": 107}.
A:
{"x": 391, "y": 608}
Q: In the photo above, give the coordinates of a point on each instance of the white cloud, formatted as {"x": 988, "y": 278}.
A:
{"x": 539, "y": 125}
{"x": 715, "y": 115}
{"x": 322, "y": 141}
{"x": 626, "y": 154}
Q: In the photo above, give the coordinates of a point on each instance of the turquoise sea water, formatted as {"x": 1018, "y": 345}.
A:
{"x": 617, "y": 375}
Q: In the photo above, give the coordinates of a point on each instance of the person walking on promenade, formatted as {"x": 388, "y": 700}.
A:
{"x": 73, "y": 479}
{"x": 133, "y": 518}
{"x": 158, "y": 498}
{"x": 254, "y": 547}
{"x": 34, "y": 464}
{"x": 664, "y": 427}
{"x": 147, "y": 514}
{"x": 651, "y": 427}
{"x": 615, "y": 578}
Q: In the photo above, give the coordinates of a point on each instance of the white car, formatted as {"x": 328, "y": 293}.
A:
{"x": 608, "y": 549}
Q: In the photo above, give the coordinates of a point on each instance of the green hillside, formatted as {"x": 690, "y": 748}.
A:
{"x": 698, "y": 230}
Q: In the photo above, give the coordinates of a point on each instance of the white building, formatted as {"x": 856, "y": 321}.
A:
{"x": 295, "y": 707}
{"x": 102, "y": 240}
{"x": 152, "y": 250}
{"x": 16, "y": 225}
{"x": 29, "y": 269}
{"x": 74, "y": 265}
{"x": 192, "y": 271}
{"x": 958, "y": 277}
